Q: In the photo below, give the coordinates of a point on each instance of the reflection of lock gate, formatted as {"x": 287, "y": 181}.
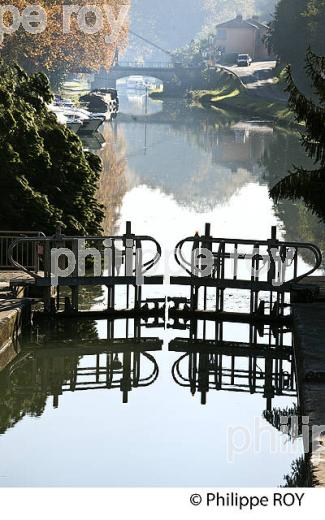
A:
{"x": 210, "y": 365}
{"x": 55, "y": 368}
{"x": 236, "y": 265}
{"x": 49, "y": 367}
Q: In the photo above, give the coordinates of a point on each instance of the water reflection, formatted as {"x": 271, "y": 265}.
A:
{"x": 137, "y": 103}
{"x": 189, "y": 157}
{"x": 202, "y": 159}
{"x": 69, "y": 357}
{"x": 112, "y": 185}
{"x": 165, "y": 168}
{"x": 75, "y": 366}
{"x": 253, "y": 367}
{"x": 71, "y": 365}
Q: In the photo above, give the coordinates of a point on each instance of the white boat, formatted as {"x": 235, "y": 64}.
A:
{"x": 77, "y": 119}
{"x": 136, "y": 83}
{"x": 63, "y": 102}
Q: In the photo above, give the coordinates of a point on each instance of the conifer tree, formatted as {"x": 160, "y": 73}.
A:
{"x": 302, "y": 183}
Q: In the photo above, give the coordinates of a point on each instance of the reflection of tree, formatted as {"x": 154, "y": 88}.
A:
{"x": 62, "y": 330}
{"x": 112, "y": 185}
{"x": 14, "y": 406}
{"x": 289, "y": 421}
{"x": 89, "y": 295}
{"x": 292, "y": 426}
{"x": 283, "y": 151}
{"x": 198, "y": 157}
{"x": 306, "y": 183}
{"x": 301, "y": 474}
{"x": 299, "y": 223}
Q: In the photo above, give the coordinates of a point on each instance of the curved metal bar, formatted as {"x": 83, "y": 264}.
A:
{"x": 176, "y": 371}
{"x": 149, "y": 264}
{"x": 202, "y": 240}
{"x": 17, "y": 264}
{"x": 154, "y": 374}
{"x": 318, "y": 257}
{"x": 180, "y": 258}
{"x": 21, "y": 361}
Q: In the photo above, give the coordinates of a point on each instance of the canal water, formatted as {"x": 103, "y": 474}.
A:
{"x": 168, "y": 169}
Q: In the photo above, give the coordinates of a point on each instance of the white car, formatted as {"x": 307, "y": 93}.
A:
{"x": 244, "y": 60}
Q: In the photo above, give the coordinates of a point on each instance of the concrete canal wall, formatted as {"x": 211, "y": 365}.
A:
{"x": 15, "y": 312}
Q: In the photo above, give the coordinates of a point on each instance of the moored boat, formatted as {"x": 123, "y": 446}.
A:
{"x": 77, "y": 119}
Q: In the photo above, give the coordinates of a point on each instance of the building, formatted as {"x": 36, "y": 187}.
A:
{"x": 239, "y": 36}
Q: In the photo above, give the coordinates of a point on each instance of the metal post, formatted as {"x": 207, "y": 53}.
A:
{"x": 75, "y": 288}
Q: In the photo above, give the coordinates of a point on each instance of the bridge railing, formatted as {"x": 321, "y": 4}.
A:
{"x": 25, "y": 253}
{"x": 153, "y": 65}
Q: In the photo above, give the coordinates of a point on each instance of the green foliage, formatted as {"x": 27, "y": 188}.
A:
{"x": 297, "y": 25}
{"x": 45, "y": 176}
{"x": 217, "y": 11}
{"x": 301, "y": 475}
{"x": 172, "y": 25}
{"x": 303, "y": 183}
{"x": 21, "y": 393}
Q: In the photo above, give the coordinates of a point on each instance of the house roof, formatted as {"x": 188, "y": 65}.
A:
{"x": 239, "y": 23}
{"x": 257, "y": 23}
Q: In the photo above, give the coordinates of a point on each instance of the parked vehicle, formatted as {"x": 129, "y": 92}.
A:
{"x": 244, "y": 60}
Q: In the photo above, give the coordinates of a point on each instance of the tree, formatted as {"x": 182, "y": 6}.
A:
{"x": 297, "y": 25}
{"x": 45, "y": 176}
{"x": 265, "y": 8}
{"x": 64, "y": 47}
{"x": 218, "y": 11}
{"x": 288, "y": 33}
{"x": 303, "y": 183}
{"x": 315, "y": 14}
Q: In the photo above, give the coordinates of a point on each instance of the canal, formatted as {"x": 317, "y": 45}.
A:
{"x": 168, "y": 169}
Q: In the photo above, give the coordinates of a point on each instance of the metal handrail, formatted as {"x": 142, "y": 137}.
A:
{"x": 137, "y": 240}
{"x": 154, "y": 65}
{"x": 207, "y": 242}
{"x": 7, "y": 237}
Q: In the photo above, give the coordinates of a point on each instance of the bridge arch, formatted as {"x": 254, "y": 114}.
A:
{"x": 140, "y": 80}
{"x": 166, "y": 73}
{"x": 173, "y": 76}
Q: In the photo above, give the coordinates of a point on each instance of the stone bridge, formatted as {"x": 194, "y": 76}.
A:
{"x": 173, "y": 76}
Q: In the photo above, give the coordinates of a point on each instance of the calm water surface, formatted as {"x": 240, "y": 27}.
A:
{"x": 168, "y": 170}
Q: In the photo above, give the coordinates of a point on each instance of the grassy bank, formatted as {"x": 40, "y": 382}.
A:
{"x": 230, "y": 94}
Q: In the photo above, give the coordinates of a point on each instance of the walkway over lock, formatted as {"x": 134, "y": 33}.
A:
{"x": 270, "y": 270}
